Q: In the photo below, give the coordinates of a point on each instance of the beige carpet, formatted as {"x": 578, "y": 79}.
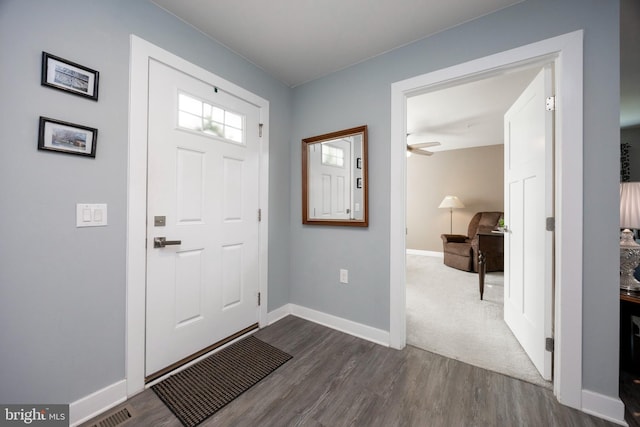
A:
{"x": 446, "y": 316}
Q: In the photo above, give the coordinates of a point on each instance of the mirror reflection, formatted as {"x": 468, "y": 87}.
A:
{"x": 334, "y": 178}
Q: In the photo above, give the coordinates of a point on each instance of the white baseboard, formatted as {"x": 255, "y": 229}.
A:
{"x": 425, "y": 253}
{"x": 96, "y": 403}
{"x": 278, "y": 313}
{"x": 359, "y": 330}
{"x": 605, "y": 407}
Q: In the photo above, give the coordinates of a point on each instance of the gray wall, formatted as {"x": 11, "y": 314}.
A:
{"x": 62, "y": 289}
{"x": 361, "y": 95}
{"x": 475, "y": 175}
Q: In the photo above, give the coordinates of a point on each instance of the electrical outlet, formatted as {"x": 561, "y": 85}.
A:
{"x": 344, "y": 275}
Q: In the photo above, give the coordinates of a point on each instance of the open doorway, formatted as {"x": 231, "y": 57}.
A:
{"x": 566, "y": 52}
{"x": 464, "y": 127}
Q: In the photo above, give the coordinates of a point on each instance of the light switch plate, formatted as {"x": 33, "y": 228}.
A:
{"x": 91, "y": 214}
{"x": 344, "y": 276}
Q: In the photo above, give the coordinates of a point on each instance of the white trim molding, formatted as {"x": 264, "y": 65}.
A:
{"x": 141, "y": 52}
{"x": 604, "y": 407}
{"x": 566, "y": 51}
{"x": 377, "y": 336}
{"x": 96, "y": 403}
{"x": 356, "y": 329}
{"x": 420, "y": 252}
{"x": 278, "y": 314}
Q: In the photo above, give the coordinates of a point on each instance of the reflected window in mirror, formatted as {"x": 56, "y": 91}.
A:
{"x": 334, "y": 178}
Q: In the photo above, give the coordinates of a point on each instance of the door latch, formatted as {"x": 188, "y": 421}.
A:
{"x": 161, "y": 242}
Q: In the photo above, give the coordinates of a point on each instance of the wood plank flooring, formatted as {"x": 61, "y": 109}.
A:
{"x": 335, "y": 379}
{"x": 630, "y": 395}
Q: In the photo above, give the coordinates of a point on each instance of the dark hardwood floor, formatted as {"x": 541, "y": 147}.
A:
{"x": 335, "y": 379}
{"x": 630, "y": 395}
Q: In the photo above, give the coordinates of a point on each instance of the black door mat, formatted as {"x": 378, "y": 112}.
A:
{"x": 196, "y": 393}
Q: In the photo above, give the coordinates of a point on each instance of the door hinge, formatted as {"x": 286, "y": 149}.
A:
{"x": 551, "y": 103}
{"x": 260, "y": 130}
{"x": 549, "y": 344}
{"x": 259, "y": 302}
{"x": 259, "y": 215}
{"x": 551, "y": 223}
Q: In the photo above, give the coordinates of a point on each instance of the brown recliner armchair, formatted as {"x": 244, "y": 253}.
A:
{"x": 461, "y": 252}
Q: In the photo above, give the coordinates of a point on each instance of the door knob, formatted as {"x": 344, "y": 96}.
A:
{"x": 161, "y": 242}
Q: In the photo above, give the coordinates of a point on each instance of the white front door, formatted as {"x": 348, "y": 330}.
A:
{"x": 528, "y": 270}
{"x": 202, "y": 197}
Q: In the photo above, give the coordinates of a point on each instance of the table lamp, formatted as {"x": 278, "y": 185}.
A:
{"x": 629, "y": 220}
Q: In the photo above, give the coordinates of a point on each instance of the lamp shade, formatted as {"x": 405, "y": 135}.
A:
{"x": 630, "y": 205}
{"x": 452, "y": 202}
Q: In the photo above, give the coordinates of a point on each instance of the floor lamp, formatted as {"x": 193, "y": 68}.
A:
{"x": 629, "y": 220}
{"x": 451, "y": 202}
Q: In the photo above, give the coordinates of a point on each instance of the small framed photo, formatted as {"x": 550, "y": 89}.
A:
{"x": 68, "y": 76}
{"x": 64, "y": 137}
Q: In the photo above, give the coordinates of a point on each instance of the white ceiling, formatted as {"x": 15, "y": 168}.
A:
{"x": 466, "y": 115}
{"x": 297, "y": 41}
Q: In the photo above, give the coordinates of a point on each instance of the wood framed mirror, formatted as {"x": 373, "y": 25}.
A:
{"x": 334, "y": 178}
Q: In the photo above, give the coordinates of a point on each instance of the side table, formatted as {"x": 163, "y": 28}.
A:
{"x": 629, "y": 338}
{"x": 487, "y": 243}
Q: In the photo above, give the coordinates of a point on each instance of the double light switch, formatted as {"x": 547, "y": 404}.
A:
{"x": 91, "y": 214}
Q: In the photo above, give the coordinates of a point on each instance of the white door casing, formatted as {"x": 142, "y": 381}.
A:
{"x": 205, "y": 188}
{"x": 528, "y": 201}
{"x": 566, "y": 51}
{"x": 141, "y": 54}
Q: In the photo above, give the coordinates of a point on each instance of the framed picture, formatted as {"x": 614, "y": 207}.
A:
{"x": 64, "y": 137}
{"x": 68, "y": 76}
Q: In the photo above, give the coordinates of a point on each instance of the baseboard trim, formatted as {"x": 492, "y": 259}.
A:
{"x": 605, "y": 407}
{"x": 96, "y": 403}
{"x": 278, "y": 314}
{"x": 359, "y": 330}
{"x": 425, "y": 253}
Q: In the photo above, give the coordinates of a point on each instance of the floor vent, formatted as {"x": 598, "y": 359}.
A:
{"x": 115, "y": 418}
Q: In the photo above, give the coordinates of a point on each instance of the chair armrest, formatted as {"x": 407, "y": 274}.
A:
{"x": 453, "y": 238}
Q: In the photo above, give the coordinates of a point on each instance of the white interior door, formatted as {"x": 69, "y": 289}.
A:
{"x": 528, "y": 151}
{"x": 203, "y": 180}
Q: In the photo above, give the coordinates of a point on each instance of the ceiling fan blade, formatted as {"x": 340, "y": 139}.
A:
{"x": 420, "y": 148}
{"x": 425, "y": 144}
{"x": 419, "y": 151}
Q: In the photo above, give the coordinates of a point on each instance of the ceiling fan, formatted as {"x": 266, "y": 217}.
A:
{"x": 420, "y": 148}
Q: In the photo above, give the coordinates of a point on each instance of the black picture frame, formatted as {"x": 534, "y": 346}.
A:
{"x": 62, "y": 74}
{"x": 69, "y": 138}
